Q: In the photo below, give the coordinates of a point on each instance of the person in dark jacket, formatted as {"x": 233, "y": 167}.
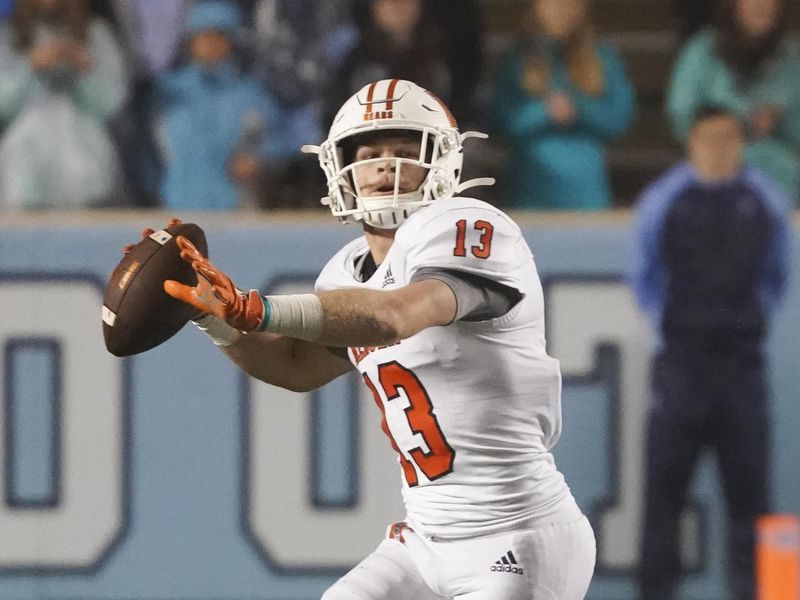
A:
{"x": 710, "y": 266}
{"x": 397, "y": 41}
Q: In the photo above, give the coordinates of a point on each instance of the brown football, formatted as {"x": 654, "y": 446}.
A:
{"x": 137, "y": 313}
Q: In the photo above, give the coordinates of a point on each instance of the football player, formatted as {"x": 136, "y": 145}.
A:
{"x": 439, "y": 307}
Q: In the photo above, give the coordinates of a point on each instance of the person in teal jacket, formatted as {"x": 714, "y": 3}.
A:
{"x": 221, "y": 130}
{"x": 751, "y": 66}
{"x": 559, "y": 97}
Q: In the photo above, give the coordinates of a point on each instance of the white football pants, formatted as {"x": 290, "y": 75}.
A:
{"x": 548, "y": 562}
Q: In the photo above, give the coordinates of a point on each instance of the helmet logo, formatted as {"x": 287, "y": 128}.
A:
{"x": 382, "y": 114}
{"x": 373, "y": 115}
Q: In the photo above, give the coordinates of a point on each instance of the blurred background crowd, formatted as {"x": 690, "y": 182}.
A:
{"x": 204, "y": 104}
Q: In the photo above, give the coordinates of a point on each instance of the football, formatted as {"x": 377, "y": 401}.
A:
{"x": 137, "y": 313}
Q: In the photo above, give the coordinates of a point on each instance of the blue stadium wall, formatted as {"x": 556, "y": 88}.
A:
{"x": 169, "y": 475}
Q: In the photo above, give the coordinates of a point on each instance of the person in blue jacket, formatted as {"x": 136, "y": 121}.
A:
{"x": 710, "y": 265}
{"x": 560, "y": 95}
{"x": 219, "y": 127}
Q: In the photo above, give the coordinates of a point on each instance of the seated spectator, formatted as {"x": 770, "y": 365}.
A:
{"x": 560, "y": 95}
{"x": 62, "y": 80}
{"x": 221, "y": 131}
{"x": 750, "y": 65}
{"x": 396, "y": 43}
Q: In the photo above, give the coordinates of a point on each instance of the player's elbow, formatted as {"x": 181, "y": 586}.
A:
{"x": 397, "y": 322}
{"x": 387, "y": 324}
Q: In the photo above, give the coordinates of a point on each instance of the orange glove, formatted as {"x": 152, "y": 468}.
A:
{"x": 215, "y": 294}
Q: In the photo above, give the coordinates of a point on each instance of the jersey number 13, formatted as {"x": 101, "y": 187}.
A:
{"x": 438, "y": 460}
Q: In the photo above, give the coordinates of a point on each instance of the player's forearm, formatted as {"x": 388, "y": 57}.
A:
{"x": 360, "y": 317}
{"x": 286, "y": 362}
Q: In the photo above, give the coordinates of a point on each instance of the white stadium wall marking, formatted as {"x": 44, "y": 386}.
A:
{"x": 79, "y": 519}
{"x": 292, "y": 527}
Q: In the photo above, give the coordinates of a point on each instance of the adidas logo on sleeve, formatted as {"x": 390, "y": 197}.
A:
{"x": 506, "y": 564}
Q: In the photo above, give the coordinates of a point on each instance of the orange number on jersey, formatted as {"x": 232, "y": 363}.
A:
{"x": 484, "y": 248}
{"x": 438, "y": 460}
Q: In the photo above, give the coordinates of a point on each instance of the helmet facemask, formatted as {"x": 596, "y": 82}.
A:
{"x": 440, "y": 157}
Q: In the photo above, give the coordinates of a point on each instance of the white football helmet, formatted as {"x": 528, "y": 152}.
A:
{"x": 393, "y": 105}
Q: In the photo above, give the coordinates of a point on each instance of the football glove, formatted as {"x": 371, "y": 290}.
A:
{"x": 215, "y": 294}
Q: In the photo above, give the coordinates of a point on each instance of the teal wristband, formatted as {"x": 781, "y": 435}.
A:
{"x": 267, "y": 318}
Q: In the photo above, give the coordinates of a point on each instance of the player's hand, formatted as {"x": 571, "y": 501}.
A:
{"x": 215, "y": 294}
{"x": 147, "y": 231}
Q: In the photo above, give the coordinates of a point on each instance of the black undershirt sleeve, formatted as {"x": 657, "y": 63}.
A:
{"x": 478, "y": 298}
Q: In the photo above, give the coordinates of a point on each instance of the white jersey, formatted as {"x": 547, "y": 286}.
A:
{"x": 472, "y": 408}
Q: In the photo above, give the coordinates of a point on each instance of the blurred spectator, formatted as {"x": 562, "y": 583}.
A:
{"x": 62, "y": 80}
{"x": 560, "y": 95}
{"x": 711, "y": 258}
{"x": 396, "y": 42}
{"x": 750, "y": 65}
{"x": 220, "y": 129}
{"x": 6, "y": 8}
{"x": 458, "y": 24}
{"x": 691, "y": 16}
{"x": 299, "y": 45}
{"x": 151, "y": 33}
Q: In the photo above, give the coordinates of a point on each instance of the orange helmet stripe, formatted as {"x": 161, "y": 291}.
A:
{"x": 370, "y": 94}
{"x": 390, "y": 94}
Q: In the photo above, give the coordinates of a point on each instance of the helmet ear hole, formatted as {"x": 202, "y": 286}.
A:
{"x": 440, "y": 188}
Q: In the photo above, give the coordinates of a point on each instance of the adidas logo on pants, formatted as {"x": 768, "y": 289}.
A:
{"x": 507, "y": 564}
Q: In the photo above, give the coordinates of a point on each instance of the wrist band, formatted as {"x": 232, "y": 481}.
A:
{"x": 294, "y": 315}
{"x": 218, "y": 330}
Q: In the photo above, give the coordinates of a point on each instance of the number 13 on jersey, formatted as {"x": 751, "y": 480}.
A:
{"x": 484, "y": 246}
{"x": 437, "y": 461}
